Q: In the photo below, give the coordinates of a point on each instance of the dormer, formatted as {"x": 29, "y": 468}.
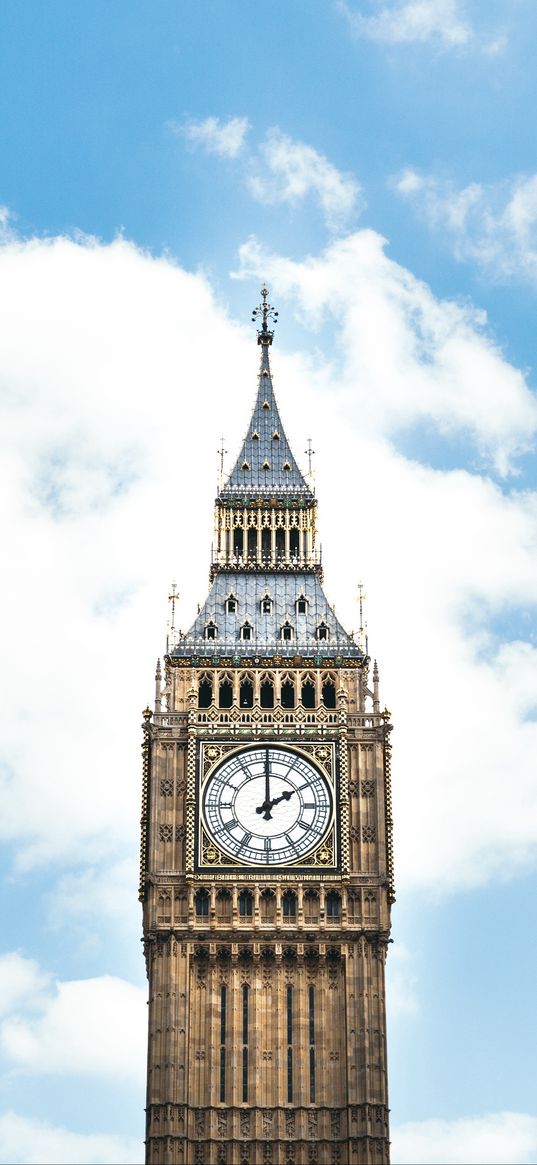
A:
{"x": 287, "y": 632}
{"x": 266, "y": 605}
{"x": 211, "y": 630}
{"x": 301, "y": 605}
{"x": 246, "y": 631}
{"x": 231, "y": 604}
{"x": 322, "y": 631}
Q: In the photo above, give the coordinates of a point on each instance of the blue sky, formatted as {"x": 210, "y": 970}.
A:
{"x": 374, "y": 161}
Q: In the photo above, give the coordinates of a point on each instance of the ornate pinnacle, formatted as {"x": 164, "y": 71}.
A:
{"x": 265, "y": 312}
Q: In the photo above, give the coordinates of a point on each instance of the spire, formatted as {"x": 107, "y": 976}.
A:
{"x": 265, "y": 465}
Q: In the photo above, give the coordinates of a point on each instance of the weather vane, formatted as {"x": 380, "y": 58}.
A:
{"x": 221, "y": 453}
{"x": 172, "y": 598}
{"x": 361, "y": 598}
{"x": 265, "y": 312}
{"x": 309, "y": 451}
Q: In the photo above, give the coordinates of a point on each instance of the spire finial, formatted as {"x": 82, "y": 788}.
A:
{"x": 266, "y": 312}
{"x": 310, "y": 452}
{"x": 361, "y": 597}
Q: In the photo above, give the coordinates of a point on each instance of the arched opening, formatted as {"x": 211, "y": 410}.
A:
{"x": 201, "y": 901}
{"x": 294, "y": 543}
{"x": 333, "y": 905}
{"x": 287, "y": 633}
{"x": 210, "y": 630}
{"x": 322, "y": 631}
{"x": 252, "y": 543}
{"x": 225, "y": 694}
{"x": 231, "y": 605}
{"x": 265, "y": 543}
{"x": 289, "y": 904}
{"x": 287, "y": 694}
{"x": 280, "y": 543}
{"x": 238, "y": 543}
{"x": 246, "y": 693}
{"x": 266, "y": 605}
{"x": 223, "y": 905}
{"x": 205, "y": 693}
{"x": 181, "y": 907}
{"x": 329, "y": 694}
{"x": 311, "y": 906}
{"x": 267, "y": 694}
{"x": 308, "y": 694}
{"x": 246, "y": 631}
{"x": 267, "y": 905}
{"x": 246, "y": 903}
{"x": 302, "y": 605}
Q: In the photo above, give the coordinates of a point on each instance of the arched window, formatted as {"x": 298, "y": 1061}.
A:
{"x": 294, "y": 543}
{"x": 223, "y": 904}
{"x": 266, "y": 605}
{"x": 231, "y": 604}
{"x": 267, "y": 694}
{"x": 245, "y": 904}
{"x": 225, "y": 694}
{"x": 308, "y": 693}
{"x": 302, "y": 605}
{"x": 322, "y": 631}
{"x": 246, "y": 631}
{"x": 265, "y": 543}
{"x": 201, "y": 901}
{"x": 287, "y": 694}
{"x": 252, "y": 543}
{"x": 286, "y": 632}
{"x": 246, "y": 699}
{"x": 329, "y": 694}
{"x": 333, "y": 904}
{"x": 267, "y": 903}
{"x": 280, "y": 543}
{"x": 311, "y": 906}
{"x": 211, "y": 630}
{"x": 205, "y": 692}
{"x": 289, "y": 904}
{"x": 238, "y": 543}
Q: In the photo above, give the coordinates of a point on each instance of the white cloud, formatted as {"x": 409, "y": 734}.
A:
{"x": 289, "y": 171}
{"x": 494, "y": 226}
{"x": 32, "y": 1142}
{"x": 496, "y": 1138}
{"x": 225, "y": 138}
{"x": 85, "y": 1027}
{"x": 21, "y": 980}
{"x": 114, "y": 401}
{"x": 405, "y": 21}
{"x": 402, "y": 987}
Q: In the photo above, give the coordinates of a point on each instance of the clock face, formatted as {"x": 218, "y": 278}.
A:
{"x": 267, "y": 806}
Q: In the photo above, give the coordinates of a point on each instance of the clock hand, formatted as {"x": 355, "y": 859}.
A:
{"x": 266, "y": 807}
{"x": 284, "y": 797}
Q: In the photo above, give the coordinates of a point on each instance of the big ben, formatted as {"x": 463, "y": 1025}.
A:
{"x": 266, "y": 858}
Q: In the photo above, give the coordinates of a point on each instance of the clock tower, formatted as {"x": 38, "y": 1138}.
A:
{"x": 266, "y": 860}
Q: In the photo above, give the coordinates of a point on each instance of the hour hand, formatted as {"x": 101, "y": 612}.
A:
{"x": 284, "y": 797}
{"x": 265, "y": 809}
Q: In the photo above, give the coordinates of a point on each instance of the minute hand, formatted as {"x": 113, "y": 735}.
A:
{"x": 284, "y": 797}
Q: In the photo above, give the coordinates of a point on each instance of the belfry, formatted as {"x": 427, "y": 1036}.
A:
{"x": 266, "y": 855}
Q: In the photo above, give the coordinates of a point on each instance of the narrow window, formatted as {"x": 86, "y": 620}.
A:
{"x": 237, "y": 543}
{"x": 255, "y": 436}
{"x": 280, "y": 543}
{"x": 322, "y": 631}
{"x": 289, "y": 1045}
{"x": 265, "y": 543}
{"x": 287, "y": 633}
{"x": 301, "y": 605}
{"x": 225, "y": 694}
{"x": 288, "y": 695}
{"x": 247, "y": 694}
{"x": 289, "y": 904}
{"x": 245, "y": 904}
{"x": 246, "y": 631}
{"x": 210, "y": 631}
{"x": 295, "y": 543}
{"x": 245, "y": 1043}
{"x": 252, "y": 543}
{"x": 223, "y": 1004}
{"x": 202, "y": 903}
{"x": 329, "y": 694}
{"x": 266, "y": 605}
{"x": 267, "y": 694}
{"x": 276, "y": 436}
{"x": 205, "y": 694}
{"x": 333, "y": 905}
{"x": 308, "y": 694}
{"x": 312, "y": 1042}
{"x": 245, "y": 465}
{"x": 265, "y": 465}
{"x": 232, "y": 605}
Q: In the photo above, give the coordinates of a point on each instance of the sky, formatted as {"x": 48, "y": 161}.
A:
{"x": 373, "y": 161}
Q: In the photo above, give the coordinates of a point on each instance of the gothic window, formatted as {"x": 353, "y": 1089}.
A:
{"x": 329, "y": 694}
{"x": 245, "y": 1018}
{"x": 266, "y": 605}
{"x": 246, "y": 631}
{"x": 255, "y": 435}
{"x": 238, "y": 543}
{"x": 267, "y": 903}
{"x": 231, "y": 604}
{"x": 201, "y": 901}
{"x": 289, "y": 1045}
{"x": 311, "y": 906}
{"x": 286, "y": 466}
{"x": 276, "y": 436}
{"x": 289, "y": 904}
{"x": 245, "y": 904}
{"x": 265, "y": 543}
{"x": 223, "y": 905}
{"x": 286, "y": 632}
{"x": 266, "y": 404}
{"x": 267, "y": 694}
{"x": 294, "y": 544}
{"x": 223, "y": 1009}
{"x": 205, "y": 692}
{"x": 245, "y": 465}
{"x": 252, "y": 543}
{"x": 322, "y": 631}
{"x": 287, "y": 694}
{"x": 246, "y": 698}
{"x": 301, "y": 603}
{"x": 311, "y": 1026}
{"x": 211, "y": 630}
{"x": 225, "y": 694}
{"x": 280, "y": 543}
{"x": 333, "y": 905}
{"x": 308, "y": 693}
{"x": 265, "y": 465}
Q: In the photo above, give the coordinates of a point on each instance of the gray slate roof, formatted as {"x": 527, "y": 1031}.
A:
{"x": 249, "y": 591}
{"x": 265, "y": 448}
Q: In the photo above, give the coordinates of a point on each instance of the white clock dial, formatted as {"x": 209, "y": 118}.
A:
{"x": 267, "y": 806}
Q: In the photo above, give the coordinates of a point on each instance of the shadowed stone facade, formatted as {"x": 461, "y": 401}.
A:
{"x": 266, "y": 862}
